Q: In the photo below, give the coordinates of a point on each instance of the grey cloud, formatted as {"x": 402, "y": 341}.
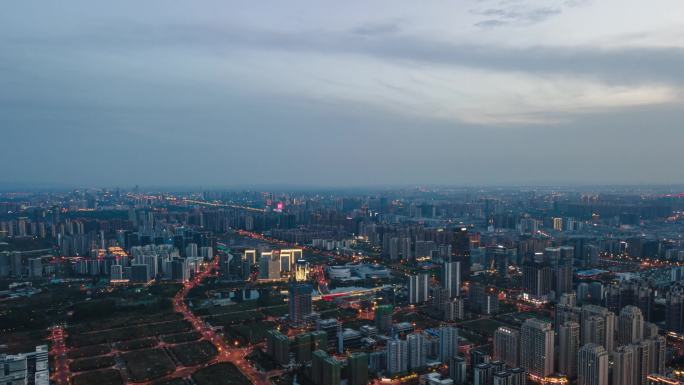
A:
{"x": 616, "y": 66}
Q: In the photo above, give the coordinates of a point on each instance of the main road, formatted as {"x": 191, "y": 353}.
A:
{"x": 61, "y": 375}
{"x": 226, "y": 352}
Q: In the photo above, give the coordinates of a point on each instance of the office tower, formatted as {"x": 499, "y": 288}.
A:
{"x": 301, "y": 271}
{"x": 397, "y": 356}
{"x": 630, "y": 325}
{"x": 303, "y": 347}
{"x": 417, "y": 350}
{"x": 358, "y": 368}
{"x": 418, "y": 288}
{"x": 458, "y": 370}
{"x": 448, "y": 343}
{"x": 624, "y": 365}
{"x": 278, "y": 347}
{"x": 604, "y": 336}
{"x": 592, "y": 365}
{"x": 483, "y": 374}
{"x": 536, "y": 350}
{"x": 451, "y": 278}
{"x": 499, "y": 256}
{"x": 383, "y": 318}
{"x": 568, "y": 344}
{"x": 537, "y": 279}
{"x": 299, "y": 302}
{"x": 460, "y": 250}
{"x": 25, "y": 368}
{"x": 507, "y": 346}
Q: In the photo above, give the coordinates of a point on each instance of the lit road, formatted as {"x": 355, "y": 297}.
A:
{"x": 226, "y": 353}
{"x": 61, "y": 374}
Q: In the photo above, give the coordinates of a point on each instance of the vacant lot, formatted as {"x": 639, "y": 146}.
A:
{"x": 137, "y": 344}
{"x": 99, "y": 377}
{"x": 148, "y": 364}
{"x": 220, "y": 374}
{"x": 253, "y": 332}
{"x": 193, "y": 353}
{"x": 89, "y": 351}
{"x": 175, "y": 381}
{"x": 128, "y": 333}
{"x": 181, "y": 337}
{"x": 91, "y": 363}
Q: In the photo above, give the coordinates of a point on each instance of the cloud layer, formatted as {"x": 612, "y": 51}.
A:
{"x": 242, "y": 93}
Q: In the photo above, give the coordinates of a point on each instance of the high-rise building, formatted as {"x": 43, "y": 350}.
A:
{"x": 674, "y": 312}
{"x": 568, "y": 345}
{"x": 25, "y": 368}
{"x": 453, "y": 310}
{"x": 507, "y": 346}
{"x": 483, "y": 374}
{"x": 537, "y": 279}
{"x": 418, "y": 288}
{"x": 417, "y": 350}
{"x": 630, "y": 325}
{"x": 250, "y": 256}
{"x": 537, "y": 349}
{"x": 592, "y": 365}
{"x": 448, "y": 343}
{"x": 303, "y": 347}
{"x": 457, "y": 370}
{"x": 116, "y": 273}
{"x": 358, "y": 368}
{"x": 301, "y": 270}
{"x": 451, "y": 278}
{"x": 593, "y": 331}
{"x": 383, "y": 318}
{"x": 397, "y": 356}
{"x": 332, "y": 371}
{"x": 278, "y": 347}
{"x": 299, "y": 302}
{"x": 624, "y": 365}
{"x": 318, "y": 366}
{"x": 484, "y": 299}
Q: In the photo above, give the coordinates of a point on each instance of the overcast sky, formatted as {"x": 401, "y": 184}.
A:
{"x": 341, "y": 93}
